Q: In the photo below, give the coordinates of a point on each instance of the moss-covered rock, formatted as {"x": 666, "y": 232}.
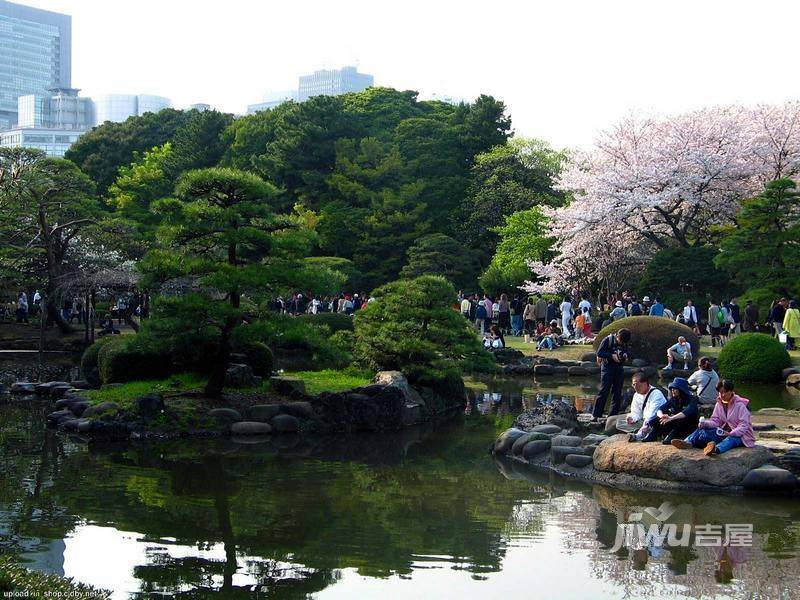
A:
{"x": 753, "y": 357}
{"x": 651, "y": 336}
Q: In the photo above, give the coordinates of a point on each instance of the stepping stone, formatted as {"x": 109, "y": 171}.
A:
{"x": 22, "y": 387}
{"x": 559, "y": 453}
{"x": 777, "y": 446}
{"x": 285, "y": 424}
{"x": 578, "y": 460}
{"x": 548, "y": 428}
{"x": 535, "y": 448}
{"x": 778, "y": 434}
{"x": 543, "y": 370}
{"x": 567, "y": 440}
{"x": 250, "y": 428}
{"x": 225, "y": 415}
{"x": 594, "y": 438}
{"x": 503, "y": 443}
{"x": 519, "y": 444}
{"x": 770, "y": 478}
{"x": 763, "y": 426}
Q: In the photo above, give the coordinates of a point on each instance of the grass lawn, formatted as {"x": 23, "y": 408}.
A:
{"x": 331, "y": 380}
{"x": 567, "y": 352}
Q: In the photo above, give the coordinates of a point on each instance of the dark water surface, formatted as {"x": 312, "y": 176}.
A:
{"x": 419, "y": 514}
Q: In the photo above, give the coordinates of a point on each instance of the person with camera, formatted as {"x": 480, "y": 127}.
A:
{"x": 612, "y": 354}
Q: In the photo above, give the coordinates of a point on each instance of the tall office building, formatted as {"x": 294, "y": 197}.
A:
{"x": 333, "y": 83}
{"x": 271, "y": 100}
{"x": 62, "y": 109}
{"x": 35, "y": 55}
{"x": 118, "y": 107}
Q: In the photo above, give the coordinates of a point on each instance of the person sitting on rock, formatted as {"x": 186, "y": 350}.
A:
{"x": 729, "y": 426}
{"x": 645, "y": 404}
{"x": 678, "y": 417}
{"x": 682, "y": 352}
{"x": 495, "y": 339}
{"x": 705, "y": 381}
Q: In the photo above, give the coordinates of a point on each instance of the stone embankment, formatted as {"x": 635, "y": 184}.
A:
{"x": 390, "y": 403}
{"x": 551, "y": 437}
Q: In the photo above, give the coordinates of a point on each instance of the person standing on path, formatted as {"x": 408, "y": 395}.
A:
{"x": 566, "y": 317}
{"x": 612, "y": 355}
{"x": 776, "y": 315}
{"x": 750, "y": 319}
{"x": 716, "y": 320}
{"x": 690, "y": 317}
{"x": 791, "y": 325}
{"x": 736, "y": 317}
{"x": 541, "y": 310}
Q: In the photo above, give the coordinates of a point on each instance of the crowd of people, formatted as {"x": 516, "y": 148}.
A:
{"x": 300, "y": 304}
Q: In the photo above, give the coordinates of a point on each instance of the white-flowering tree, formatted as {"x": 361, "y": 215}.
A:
{"x": 652, "y": 183}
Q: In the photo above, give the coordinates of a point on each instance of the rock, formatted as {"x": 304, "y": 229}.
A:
{"x": 285, "y": 385}
{"x": 587, "y": 364}
{"x": 59, "y": 415}
{"x": 69, "y": 424}
{"x": 398, "y": 380}
{"x": 629, "y": 371}
{"x": 64, "y": 403}
{"x": 23, "y": 387}
{"x": 58, "y": 391}
{"x": 43, "y": 389}
{"x": 594, "y": 439}
{"x": 301, "y": 410}
{"x": 263, "y": 412}
{"x": 770, "y": 478}
{"x": 250, "y": 428}
{"x": 547, "y": 428}
{"x": 149, "y": 405}
{"x": 590, "y": 450}
{"x": 547, "y": 360}
{"x": 543, "y": 370}
{"x": 566, "y": 440}
{"x": 578, "y": 461}
{"x": 110, "y": 386}
{"x": 775, "y": 446}
{"x": 639, "y": 363}
{"x": 507, "y": 356}
{"x": 79, "y": 408}
{"x": 592, "y": 370}
{"x": 81, "y": 384}
{"x": 577, "y": 371}
{"x": 519, "y": 444}
{"x": 790, "y": 460}
{"x": 225, "y": 415}
{"x": 75, "y": 396}
{"x": 589, "y": 357}
{"x": 238, "y": 358}
{"x": 763, "y": 426}
{"x": 649, "y": 371}
{"x": 616, "y": 455}
{"x": 560, "y": 370}
{"x": 98, "y": 409}
{"x": 559, "y": 453}
{"x": 793, "y": 380}
{"x": 535, "y": 447}
{"x": 506, "y": 440}
{"x": 789, "y": 371}
{"x": 285, "y": 424}
{"x": 611, "y": 424}
{"x": 239, "y": 376}
{"x": 84, "y": 425}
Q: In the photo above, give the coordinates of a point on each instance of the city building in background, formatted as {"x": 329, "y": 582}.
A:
{"x": 52, "y": 141}
{"x": 118, "y": 107}
{"x": 36, "y": 55}
{"x": 333, "y": 83}
{"x": 61, "y": 109}
{"x": 200, "y": 107}
{"x": 271, "y": 100}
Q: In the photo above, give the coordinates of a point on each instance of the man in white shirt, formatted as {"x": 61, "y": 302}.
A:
{"x": 690, "y": 315}
{"x": 644, "y": 406}
{"x": 566, "y": 317}
{"x": 705, "y": 381}
{"x": 682, "y": 352}
{"x": 584, "y": 303}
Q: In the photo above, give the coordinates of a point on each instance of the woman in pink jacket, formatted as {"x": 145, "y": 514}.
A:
{"x": 729, "y": 425}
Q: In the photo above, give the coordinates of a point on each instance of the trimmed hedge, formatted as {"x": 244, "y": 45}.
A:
{"x": 89, "y": 366}
{"x": 651, "y": 336}
{"x": 132, "y": 361}
{"x": 753, "y": 357}
{"x": 260, "y": 358}
{"x": 335, "y": 321}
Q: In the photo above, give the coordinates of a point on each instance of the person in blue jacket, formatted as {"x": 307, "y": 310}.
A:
{"x": 678, "y": 417}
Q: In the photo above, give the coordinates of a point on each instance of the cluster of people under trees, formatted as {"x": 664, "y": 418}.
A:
{"x": 300, "y": 304}
{"x": 673, "y": 417}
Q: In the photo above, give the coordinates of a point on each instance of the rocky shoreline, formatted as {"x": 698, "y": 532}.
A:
{"x": 550, "y": 437}
{"x": 389, "y": 404}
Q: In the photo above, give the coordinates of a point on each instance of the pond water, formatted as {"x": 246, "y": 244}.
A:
{"x": 419, "y": 514}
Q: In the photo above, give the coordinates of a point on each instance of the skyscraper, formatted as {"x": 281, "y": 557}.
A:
{"x": 333, "y": 83}
{"x": 35, "y": 55}
{"x": 118, "y": 107}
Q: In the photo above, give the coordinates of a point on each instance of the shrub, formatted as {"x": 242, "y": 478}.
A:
{"x": 412, "y": 328}
{"x": 89, "y": 367}
{"x": 132, "y": 360}
{"x": 334, "y": 321}
{"x": 651, "y": 336}
{"x": 753, "y": 357}
{"x": 260, "y": 358}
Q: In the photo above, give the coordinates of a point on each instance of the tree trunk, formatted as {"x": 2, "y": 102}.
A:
{"x": 216, "y": 382}
{"x": 54, "y": 315}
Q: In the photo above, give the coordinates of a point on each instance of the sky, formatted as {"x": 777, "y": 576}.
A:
{"x": 565, "y": 68}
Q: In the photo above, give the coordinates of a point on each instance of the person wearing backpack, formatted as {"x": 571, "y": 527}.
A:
{"x": 716, "y": 321}
{"x": 634, "y": 308}
{"x": 480, "y": 318}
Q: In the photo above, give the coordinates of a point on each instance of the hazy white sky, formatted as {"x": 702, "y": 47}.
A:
{"x": 564, "y": 68}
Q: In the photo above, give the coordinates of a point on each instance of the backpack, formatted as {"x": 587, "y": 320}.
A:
{"x": 636, "y": 310}
{"x": 720, "y": 317}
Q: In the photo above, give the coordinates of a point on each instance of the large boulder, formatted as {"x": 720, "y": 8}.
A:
{"x": 507, "y": 356}
{"x": 505, "y": 442}
{"x": 250, "y": 428}
{"x": 651, "y": 336}
{"x": 769, "y": 478}
{"x": 617, "y": 455}
{"x": 398, "y": 380}
{"x": 239, "y": 376}
{"x": 287, "y": 386}
{"x": 99, "y": 409}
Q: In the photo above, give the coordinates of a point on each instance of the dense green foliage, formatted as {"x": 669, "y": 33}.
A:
{"x": 21, "y": 582}
{"x": 259, "y": 357}
{"x": 763, "y": 249}
{"x": 680, "y": 274}
{"x": 90, "y": 369}
{"x": 334, "y": 321}
{"x": 438, "y": 254}
{"x": 523, "y": 238}
{"x": 651, "y": 336}
{"x": 131, "y": 359}
{"x": 411, "y": 327}
{"x": 753, "y": 357}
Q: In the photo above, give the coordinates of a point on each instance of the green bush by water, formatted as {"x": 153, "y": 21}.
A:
{"x": 753, "y": 357}
{"x": 132, "y": 360}
{"x": 89, "y": 365}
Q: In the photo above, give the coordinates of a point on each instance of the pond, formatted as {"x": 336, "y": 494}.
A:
{"x": 419, "y": 514}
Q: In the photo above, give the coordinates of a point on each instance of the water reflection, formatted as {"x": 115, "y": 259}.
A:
{"x": 414, "y": 514}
